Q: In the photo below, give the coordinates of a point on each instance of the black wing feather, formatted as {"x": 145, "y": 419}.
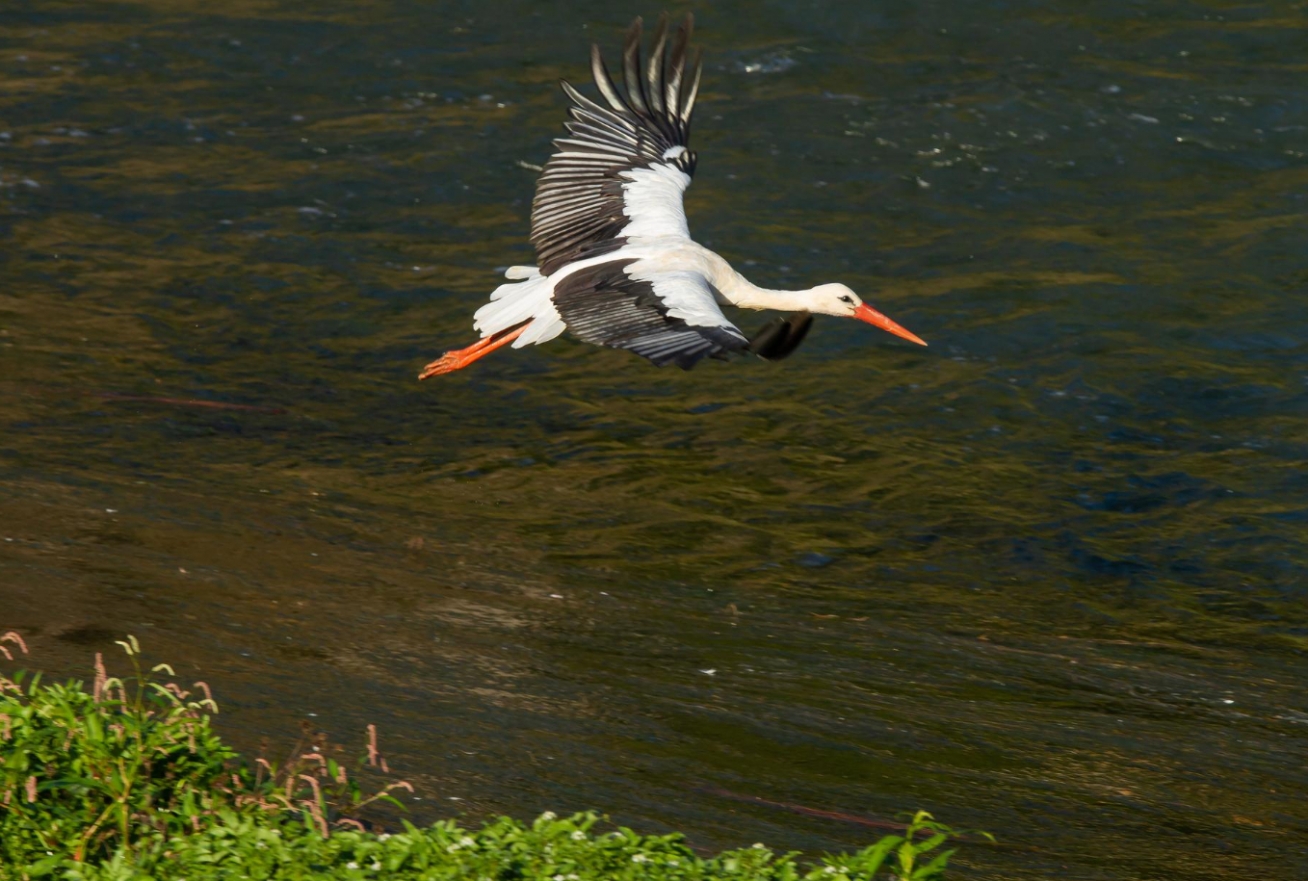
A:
{"x": 657, "y": 74}
{"x": 636, "y": 96}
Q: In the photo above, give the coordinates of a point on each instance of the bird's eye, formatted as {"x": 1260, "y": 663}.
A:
{"x": 849, "y": 300}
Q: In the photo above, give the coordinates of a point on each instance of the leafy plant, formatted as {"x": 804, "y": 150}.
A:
{"x": 903, "y": 851}
{"x": 136, "y": 759}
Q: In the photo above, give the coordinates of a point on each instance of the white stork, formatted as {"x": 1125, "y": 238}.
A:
{"x": 617, "y": 266}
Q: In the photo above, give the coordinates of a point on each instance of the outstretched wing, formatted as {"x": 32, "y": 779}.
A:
{"x": 667, "y": 317}
{"x": 623, "y": 170}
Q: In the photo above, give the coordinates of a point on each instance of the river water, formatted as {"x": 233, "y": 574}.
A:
{"x": 1045, "y": 578}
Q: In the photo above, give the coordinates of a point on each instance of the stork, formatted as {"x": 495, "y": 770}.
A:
{"x": 616, "y": 264}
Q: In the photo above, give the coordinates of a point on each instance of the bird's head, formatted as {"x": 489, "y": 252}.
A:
{"x": 839, "y": 300}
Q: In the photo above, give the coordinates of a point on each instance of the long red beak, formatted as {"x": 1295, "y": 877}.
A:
{"x": 876, "y": 319}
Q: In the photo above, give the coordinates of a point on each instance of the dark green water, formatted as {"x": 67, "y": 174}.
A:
{"x": 1046, "y": 578}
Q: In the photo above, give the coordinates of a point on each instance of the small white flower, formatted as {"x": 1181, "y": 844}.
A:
{"x": 376, "y": 865}
{"x": 549, "y": 815}
{"x": 639, "y": 858}
{"x": 578, "y": 835}
{"x": 831, "y": 870}
{"x": 758, "y": 845}
{"x": 383, "y": 836}
{"x": 559, "y": 878}
{"x": 673, "y": 863}
{"x": 467, "y": 841}
{"x": 351, "y": 865}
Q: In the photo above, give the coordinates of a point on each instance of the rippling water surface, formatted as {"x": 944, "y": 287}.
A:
{"x": 1046, "y": 577}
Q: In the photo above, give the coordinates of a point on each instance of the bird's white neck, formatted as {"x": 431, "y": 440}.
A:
{"x": 739, "y": 291}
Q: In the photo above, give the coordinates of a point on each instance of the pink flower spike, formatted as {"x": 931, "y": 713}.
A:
{"x": 313, "y": 784}
{"x": 372, "y": 745}
{"x": 97, "y": 693}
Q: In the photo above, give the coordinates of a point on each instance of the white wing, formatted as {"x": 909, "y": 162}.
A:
{"x": 622, "y": 172}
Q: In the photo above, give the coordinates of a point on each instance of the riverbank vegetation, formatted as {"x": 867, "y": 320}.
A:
{"x": 127, "y": 778}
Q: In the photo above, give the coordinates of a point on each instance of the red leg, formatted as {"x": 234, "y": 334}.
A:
{"x": 460, "y": 358}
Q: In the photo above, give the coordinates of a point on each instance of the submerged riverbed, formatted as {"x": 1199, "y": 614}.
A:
{"x": 1045, "y": 578}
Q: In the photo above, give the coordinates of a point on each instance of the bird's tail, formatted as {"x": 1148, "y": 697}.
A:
{"x": 528, "y": 297}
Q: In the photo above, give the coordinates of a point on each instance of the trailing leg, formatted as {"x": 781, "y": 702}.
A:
{"x": 457, "y": 359}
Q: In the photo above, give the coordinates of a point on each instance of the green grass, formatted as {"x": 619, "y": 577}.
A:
{"x": 129, "y": 780}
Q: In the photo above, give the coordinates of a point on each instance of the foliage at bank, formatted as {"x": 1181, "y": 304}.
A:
{"x": 127, "y": 779}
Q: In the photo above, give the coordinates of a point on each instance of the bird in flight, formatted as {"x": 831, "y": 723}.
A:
{"x": 616, "y": 264}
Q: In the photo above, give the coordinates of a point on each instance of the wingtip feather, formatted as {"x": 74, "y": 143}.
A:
{"x": 688, "y": 103}
{"x": 604, "y": 82}
{"x": 631, "y": 72}
{"x": 656, "y": 72}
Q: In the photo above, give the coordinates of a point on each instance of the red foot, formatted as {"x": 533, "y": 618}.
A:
{"x": 460, "y": 358}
